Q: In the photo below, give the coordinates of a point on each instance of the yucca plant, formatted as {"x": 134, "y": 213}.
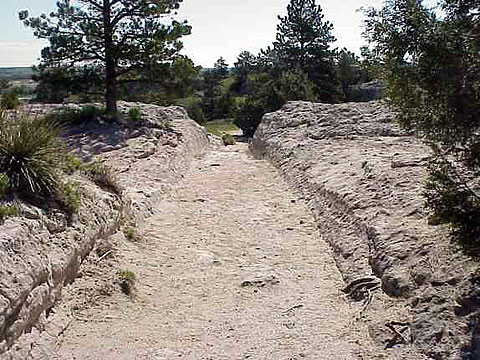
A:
{"x": 30, "y": 152}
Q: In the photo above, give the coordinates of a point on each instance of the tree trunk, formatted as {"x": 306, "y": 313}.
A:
{"x": 110, "y": 62}
{"x": 111, "y": 93}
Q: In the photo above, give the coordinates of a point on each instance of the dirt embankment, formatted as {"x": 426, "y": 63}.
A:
{"x": 363, "y": 178}
{"x": 41, "y": 252}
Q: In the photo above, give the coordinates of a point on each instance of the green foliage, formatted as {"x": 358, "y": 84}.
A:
{"x": 453, "y": 201}
{"x": 193, "y": 106}
{"x": 4, "y": 185}
{"x": 102, "y": 175}
{"x": 86, "y": 114}
{"x": 303, "y": 42}
{"x": 9, "y": 101}
{"x": 268, "y": 94}
{"x": 249, "y": 116}
{"x": 56, "y": 83}
{"x": 349, "y": 71}
{"x": 72, "y": 163}
{"x": 228, "y": 139}
{"x": 134, "y": 114}
{"x": 220, "y": 69}
{"x": 70, "y": 197}
{"x": 127, "y": 281}
{"x": 117, "y": 36}
{"x": 4, "y": 85}
{"x": 129, "y": 233}
{"x": 431, "y": 66}
{"x": 29, "y": 155}
{"x": 7, "y": 211}
{"x": 218, "y": 127}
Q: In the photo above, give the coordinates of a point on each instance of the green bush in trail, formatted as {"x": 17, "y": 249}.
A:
{"x": 228, "y": 139}
{"x": 9, "y": 101}
{"x": 270, "y": 93}
{"x": 30, "y": 153}
{"x": 431, "y": 66}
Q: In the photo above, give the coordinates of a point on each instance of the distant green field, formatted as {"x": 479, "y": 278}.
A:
{"x": 218, "y": 127}
{"x": 16, "y": 73}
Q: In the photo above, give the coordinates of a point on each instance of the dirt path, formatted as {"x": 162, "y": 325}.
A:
{"x": 230, "y": 267}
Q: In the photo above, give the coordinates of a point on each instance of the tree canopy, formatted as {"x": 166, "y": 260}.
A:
{"x": 303, "y": 42}
{"x": 119, "y": 36}
{"x": 431, "y": 66}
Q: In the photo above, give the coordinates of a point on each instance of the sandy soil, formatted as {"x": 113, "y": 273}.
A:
{"x": 231, "y": 266}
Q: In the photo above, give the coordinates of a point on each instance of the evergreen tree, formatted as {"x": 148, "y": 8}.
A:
{"x": 431, "y": 67}
{"x": 119, "y": 36}
{"x": 349, "y": 72}
{"x": 303, "y": 42}
{"x": 220, "y": 69}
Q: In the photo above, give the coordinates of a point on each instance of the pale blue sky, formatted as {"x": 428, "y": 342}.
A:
{"x": 220, "y": 27}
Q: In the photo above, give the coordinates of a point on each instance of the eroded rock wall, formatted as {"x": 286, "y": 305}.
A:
{"x": 40, "y": 253}
{"x": 363, "y": 178}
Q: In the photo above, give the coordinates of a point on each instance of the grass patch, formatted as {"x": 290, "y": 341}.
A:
{"x": 102, "y": 175}
{"x": 127, "y": 281}
{"x": 130, "y": 233}
{"x": 219, "y": 127}
{"x": 72, "y": 163}
{"x": 70, "y": 197}
{"x": 80, "y": 116}
{"x": 7, "y": 211}
{"x": 134, "y": 115}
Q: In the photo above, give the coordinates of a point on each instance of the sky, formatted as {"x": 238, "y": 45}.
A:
{"x": 220, "y": 27}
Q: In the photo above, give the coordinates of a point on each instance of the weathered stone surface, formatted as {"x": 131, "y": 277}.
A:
{"x": 363, "y": 178}
{"x": 39, "y": 253}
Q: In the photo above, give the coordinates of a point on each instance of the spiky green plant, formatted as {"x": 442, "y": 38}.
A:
{"x": 30, "y": 151}
{"x": 135, "y": 114}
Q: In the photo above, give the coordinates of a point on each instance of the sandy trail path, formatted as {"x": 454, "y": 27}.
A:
{"x": 230, "y": 267}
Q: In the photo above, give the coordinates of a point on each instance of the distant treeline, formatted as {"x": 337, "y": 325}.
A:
{"x": 16, "y": 73}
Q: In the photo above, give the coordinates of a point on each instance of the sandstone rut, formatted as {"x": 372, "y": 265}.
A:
{"x": 230, "y": 266}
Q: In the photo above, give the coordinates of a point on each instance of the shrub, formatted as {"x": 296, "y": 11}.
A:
{"x": 102, "y": 175}
{"x": 129, "y": 232}
{"x": 127, "y": 281}
{"x": 454, "y": 202}
{"x": 30, "y": 152}
{"x": 4, "y": 185}
{"x": 72, "y": 163}
{"x": 134, "y": 114}
{"x": 69, "y": 196}
{"x": 80, "y": 116}
{"x": 7, "y": 211}
{"x": 249, "y": 116}
{"x": 228, "y": 139}
{"x": 10, "y": 101}
{"x": 193, "y": 106}
{"x": 430, "y": 65}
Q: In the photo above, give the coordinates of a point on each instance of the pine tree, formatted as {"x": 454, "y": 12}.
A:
{"x": 303, "y": 42}
{"x": 119, "y": 36}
